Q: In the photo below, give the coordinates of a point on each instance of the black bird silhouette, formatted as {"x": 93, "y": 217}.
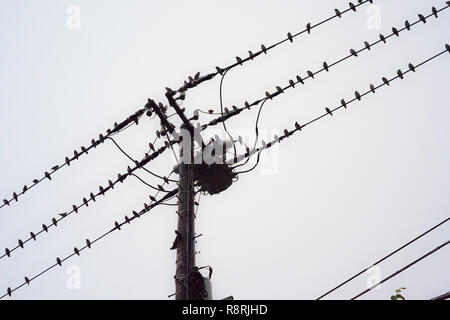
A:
{"x": 343, "y": 103}
{"x": 329, "y": 111}
{"x": 92, "y": 196}
{"x": 6, "y": 202}
{"x": 7, "y": 252}
{"x": 422, "y": 18}
{"x": 338, "y": 13}
{"x": 47, "y": 175}
{"x": 310, "y": 73}
{"x": 27, "y": 281}
{"x": 127, "y": 220}
{"x": 400, "y": 74}
{"x": 63, "y": 214}
{"x": 289, "y": 35}
{"x": 352, "y": 6}
{"x": 239, "y": 60}
{"x": 382, "y": 38}
{"x": 35, "y": 181}
{"x": 357, "y": 95}
{"x": 20, "y": 243}
{"x": 292, "y": 83}
{"x": 395, "y": 31}
{"x": 86, "y": 203}
{"x": 117, "y": 225}
{"x": 325, "y": 66}
{"x": 88, "y": 243}
{"x": 386, "y": 81}
{"x": 353, "y": 52}
{"x": 15, "y": 196}
{"x": 25, "y": 188}
{"x": 9, "y": 291}
{"x": 411, "y": 67}
{"x": 44, "y": 227}
{"x": 297, "y": 126}
{"x": 76, "y": 251}
{"x": 367, "y": 45}
{"x": 263, "y": 49}
{"x": 434, "y": 12}
{"x": 75, "y": 208}
{"x": 299, "y": 79}
{"x": 136, "y": 215}
{"x": 58, "y": 261}
{"x": 372, "y": 88}
{"x": 33, "y": 236}
{"x": 55, "y": 222}
{"x": 407, "y": 25}
{"x": 55, "y": 168}
{"x": 308, "y": 27}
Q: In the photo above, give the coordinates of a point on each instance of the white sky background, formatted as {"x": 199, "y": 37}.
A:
{"x": 348, "y": 189}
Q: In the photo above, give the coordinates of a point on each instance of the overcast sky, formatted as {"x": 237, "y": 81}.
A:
{"x": 323, "y": 205}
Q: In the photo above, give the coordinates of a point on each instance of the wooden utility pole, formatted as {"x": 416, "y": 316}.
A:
{"x": 188, "y": 281}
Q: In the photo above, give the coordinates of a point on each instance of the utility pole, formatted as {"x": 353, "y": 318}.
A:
{"x": 188, "y": 280}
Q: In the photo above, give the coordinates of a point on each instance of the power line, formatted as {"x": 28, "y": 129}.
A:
{"x": 135, "y": 161}
{"x": 77, "y": 154}
{"x": 76, "y": 251}
{"x": 326, "y": 67}
{"x": 344, "y": 104}
{"x": 401, "y": 270}
{"x": 92, "y": 197}
{"x": 444, "y": 296}
{"x": 385, "y": 257}
{"x": 193, "y": 82}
